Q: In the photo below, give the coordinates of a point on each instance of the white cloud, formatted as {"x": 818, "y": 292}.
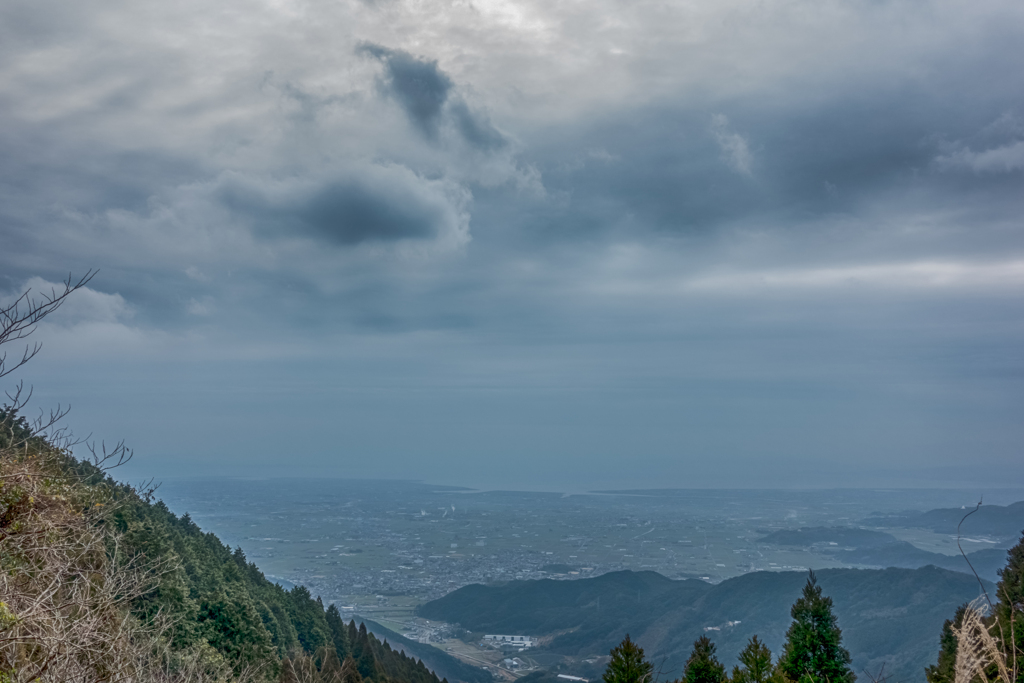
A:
{"x": 735, "y": 150}
{"x": 1004, "y": 159}
{"x": 90, "y": 306}
{"x": 89, "y": 324}
{"x": 910, "y": 275}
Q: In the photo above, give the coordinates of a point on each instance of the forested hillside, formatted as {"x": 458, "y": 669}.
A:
{"x": 127, "y": 587}
{"x": 892, "y": 616}
{"x": 99, "y": 581}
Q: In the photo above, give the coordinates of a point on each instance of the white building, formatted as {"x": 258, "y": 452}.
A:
{"x": 511, "y": 641}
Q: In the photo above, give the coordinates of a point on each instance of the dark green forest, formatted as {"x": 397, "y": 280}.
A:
{"x": 890, "y": 616}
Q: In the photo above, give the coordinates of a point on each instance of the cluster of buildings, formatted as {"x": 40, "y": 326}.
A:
{"x": 520, "y": 642}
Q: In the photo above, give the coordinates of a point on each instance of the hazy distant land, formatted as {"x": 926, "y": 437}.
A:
{"x": 351, "y": 540}
{"x": 384, "y": 549}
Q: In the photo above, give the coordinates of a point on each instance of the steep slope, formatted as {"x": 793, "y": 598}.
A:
{"x": 438, "y": 661}
{"x": 165, "y": 584}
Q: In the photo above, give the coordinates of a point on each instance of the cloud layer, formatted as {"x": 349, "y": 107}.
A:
{"x": 571, "y": 232}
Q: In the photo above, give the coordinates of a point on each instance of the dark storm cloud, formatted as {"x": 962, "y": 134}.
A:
{"x": 476, "y": 129}
{"x": 783, "y": 167}
{"x": 419, "y": 86}
{"x": 373, "y": 204}
{"x": 427, "y": 95}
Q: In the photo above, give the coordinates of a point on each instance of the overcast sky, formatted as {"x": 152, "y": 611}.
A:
{"x": 530, "y": 244}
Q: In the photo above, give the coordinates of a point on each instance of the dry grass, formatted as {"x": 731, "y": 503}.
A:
{"x": 67, "y": 585}
{"x": 977, "y": 649}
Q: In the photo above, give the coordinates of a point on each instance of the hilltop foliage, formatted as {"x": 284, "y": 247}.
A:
{"x": 628, "y": 664}
{"x": 813, "y": 650}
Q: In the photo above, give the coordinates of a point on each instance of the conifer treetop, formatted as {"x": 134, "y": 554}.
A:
{"x": 813, "y": 652}
{"x": 628, "y": 664}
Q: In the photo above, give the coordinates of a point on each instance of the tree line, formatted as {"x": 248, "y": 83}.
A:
{"x": 982, "y": 643}
{"x": 813, "y": 653}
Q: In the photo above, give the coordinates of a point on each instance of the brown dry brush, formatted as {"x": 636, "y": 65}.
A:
{"x": 65, "y": 594}
{"x": 978, "y": 650}
{"x": 322, "y": 667}
{"x": 67, "y": 585}
{"x": 987, "y": 647}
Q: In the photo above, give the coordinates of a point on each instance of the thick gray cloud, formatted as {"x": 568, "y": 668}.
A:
{"x": 373, "y": 203}
{"x": 417, "y": 84}
{"x": 426, "y": 93}
{"x": 704, "y": 240}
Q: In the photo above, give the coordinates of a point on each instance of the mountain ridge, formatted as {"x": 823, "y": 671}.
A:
{"x": 889, "y": 616}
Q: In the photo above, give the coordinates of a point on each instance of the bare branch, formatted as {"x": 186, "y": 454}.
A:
{"x": 19, "y": 319}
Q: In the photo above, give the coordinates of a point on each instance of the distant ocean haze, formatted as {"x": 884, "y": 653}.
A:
{"x": 350, "y": 538}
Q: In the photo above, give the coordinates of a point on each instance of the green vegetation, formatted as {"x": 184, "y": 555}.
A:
{"x": 755, "y": 663}
{"x": 628, "y": 664}
{"x": 889, "y": 617}
{"x": 944, "y": 671}
{"x": 212, "y": 609}
{"x": 703, "y": 666}
{"x": 984, "y": 641}
{"x": 814, "y": 650}
{"x": 981, "y": 644}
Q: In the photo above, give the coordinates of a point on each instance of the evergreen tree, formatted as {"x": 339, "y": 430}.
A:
{"x": 756, "y": 661}
{"x": 813, "y": 652}
{"x": 628, "y": 664}
{"x": 1009, "y": 610}
{"x": 363, "y": 653}
{"x": 330, "y": 666}
{"x": 339, "y": 633}
{"x": 350, "y": 672}
{"x": 944, "y": 670}
{"x": 703, "y": 666}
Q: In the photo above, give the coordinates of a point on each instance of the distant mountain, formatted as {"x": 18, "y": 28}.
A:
{"x": 594, "y": 606}
{"x": 878, "y": 549}
{"x": 891, "y": 616}
{"x": 905, "y": 555}
{"x": 1005, "y": 522}
{"x": 842, "y": 536}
